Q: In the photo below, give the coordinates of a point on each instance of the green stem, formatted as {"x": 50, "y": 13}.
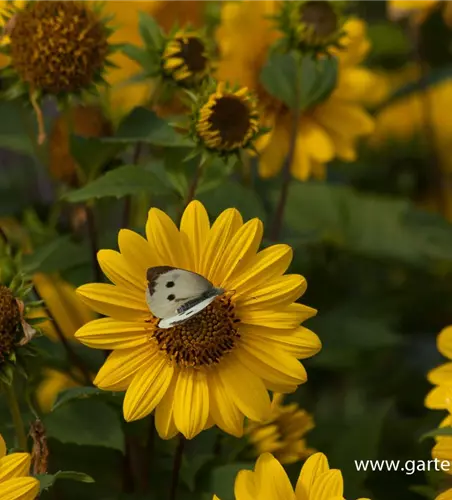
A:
{"x": 16, "y": 416}
{"x": 176, "y": 467}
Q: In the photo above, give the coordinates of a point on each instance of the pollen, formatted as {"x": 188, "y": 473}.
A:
{"x": 204, "y": 339}
{"x": 58, "y": 47}
{"x": 229, "y": 120}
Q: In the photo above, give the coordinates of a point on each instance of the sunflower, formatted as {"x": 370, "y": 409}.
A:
{"x": 443, "y": 447}
{"x": 283, "y": 434}
{"x": 418, "y": 10}
{"x": 218, "y": 366}
{"x": 327, "y": 130}
{"x": 269, "y": 481}
{"x": 15, "y": 481}
{"x": 440, "y": 397}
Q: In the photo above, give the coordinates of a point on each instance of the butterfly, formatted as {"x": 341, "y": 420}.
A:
{"x": 175, "y": 295}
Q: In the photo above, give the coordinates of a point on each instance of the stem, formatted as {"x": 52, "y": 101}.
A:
{"x": 16, "y": 416}
{"x": 128, "y": 200}
{"x": 286, "y": 174}
{"x": 176, "y": 467}
{"x": 428, "y": 126}
{"x": 92, "y": 233}
{"x": 194, "y": 183}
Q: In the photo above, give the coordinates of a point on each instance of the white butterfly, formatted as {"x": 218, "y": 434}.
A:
{"x": 175, "y": 295}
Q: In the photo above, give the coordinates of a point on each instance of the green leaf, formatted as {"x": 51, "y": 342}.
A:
{"x": 441, "y": 431}
{"x": 46, "y": 481}
{"x": 222, "y": 479}
{"x": 148, "y": 61}
{"x": 86, "y": 422}
{"x": 424, "y": 491}
{"x": 231, "y": 194}
{"x": 316, "y": 81}
{"x": 122, "y": 181}
{"x": 13, "y": 128}
{"x": 191, "y": 467}
{"x": 143, "y": 125}
{"x": 75, "y": 393}
{"x": 359, "y": 442}
{"x": 92, "y": 153}
{"x": 150, "y": 31}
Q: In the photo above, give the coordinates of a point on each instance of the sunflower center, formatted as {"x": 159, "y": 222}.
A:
{"x": 320, "y": 18}
{"x": 9, "y": 321}
{"x": 58, "y": 46}
{"x": 203, "y": 339}
{"x": 192, "y": 51}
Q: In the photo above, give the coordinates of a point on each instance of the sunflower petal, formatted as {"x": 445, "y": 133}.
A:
{"x": 442, "y": 375}
{"x": 224, "y": 412}
{"x": 164, "y": 418}
{"x": 116, "y": 269}
{"x": 312, "y": 469}
{"x": 444, "y": 342}
{"x": 115, "y": 302}
{"x": 191, "y": 402}
{"x": 246, "y": 389}
{"x": 165, "y": 239}
{"x": 272, "y": 479}
{"x": 2, "y": 447}
{"x": 14, "y": 465}
{"x": 137, "y": 252}
{"x": 148, "y": 387}
{"x": 20, "y": 488}
{"x": 245, "y": 485}
{"x": 120, "y": 367}
{"x": 108, "y": 333}
{"x": 223, "y": 229}
{"x": 328, "y": 485}
{"x": 288, "y": 317}
{"x": 439, "y": 398}
{"x": 195, "y": 226}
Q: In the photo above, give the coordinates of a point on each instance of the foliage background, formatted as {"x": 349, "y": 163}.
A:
{"x": 374, "y": 241}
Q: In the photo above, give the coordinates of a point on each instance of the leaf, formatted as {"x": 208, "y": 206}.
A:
{"x": 150, "y": 31}
{"x": 316, "y": 81}
{"x": 120, "y": 182}
{"x": 148, "y": 61}
{"x": 359, "y": 442}
{"x": 46, "y": 481}
{"x": 75, "y": 393}
{"x": 144, "y": 125}
{"x": 441, "y": 431}
{"x": 92, "y": 153}
{"x": 231, "y": 194}
{"x": 222, "y": 479}
{"x": 13, "y": 128}
{"x": 191, "y": 467}
{"x": 86, "y": 422}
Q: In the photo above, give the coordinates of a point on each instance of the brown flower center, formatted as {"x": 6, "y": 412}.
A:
{"x": 203, "y": 339}
{"x": 192, "y": 51}
{"x": 58, "y": 46}
{"x": 320, "y": 17}
{"x": 9, "y": 321}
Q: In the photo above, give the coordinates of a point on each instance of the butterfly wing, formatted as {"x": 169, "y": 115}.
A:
{"x": 195, "y": 309}
{"x": 169, "y": 287}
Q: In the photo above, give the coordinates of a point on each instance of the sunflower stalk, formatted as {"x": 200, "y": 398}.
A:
{"x": 286, "y": 173}
{"x": 176, "y": 467}
{"x": 16, "y": 415}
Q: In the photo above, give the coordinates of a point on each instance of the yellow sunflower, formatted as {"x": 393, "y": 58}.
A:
{"x": 418, "y": 10}
{"x": 218, "y": 366}
{"x": 269, "y": 481}
{"x": 283, "y": 434}
{"x": 15, "y": 482}
{"x": 440, "y": 397}
{"x": 328, "y": 130}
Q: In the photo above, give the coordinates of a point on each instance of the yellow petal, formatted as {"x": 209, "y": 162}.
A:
{"x": 195, "y": 226}
{"x": 274, "y": 154}
{"x": 441, "y": 375}
{"x": 279, "y": 292}
{"x": 272, "y": 479}
{"x": 246, "y": 389}
{"x": 164, "y": 418}
{"x": 301, "y": 342}
{"x": 19, "y": 488}
{"x": 137, "y": 252}
{"x": 444, "y": 342}
{"x": 328, "y": 485}
{"x": 445, "y": 495}
{"x": 245, "y": 486}
{"x": 108, "y": 333}
{"x": 288, "y": 317}
{"x": 224, "y": 412}
{"x": 274, "y": 366}
{"x": 223, "y": 229}
{"x": 439, "y": 398}
{"x": 120, "y": 367}
{"x": 242, "y": 246}
{"x": 117, "y": 270}
{"x": 2, "y": 447}
{"x": 148, "y": 387}
{"x": 264, "y": 266}
{"x": 314, "y": 467}
{"x": 165, "y": 239}
{"x": 14, "y": 465}
{"x": 191, "y": 402}
{"x": 116, "y": 302}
